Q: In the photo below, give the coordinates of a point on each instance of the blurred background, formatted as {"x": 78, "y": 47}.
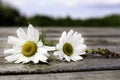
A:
{"x": 45, "y": 13}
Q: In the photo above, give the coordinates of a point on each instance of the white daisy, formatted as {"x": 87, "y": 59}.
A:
{"x": 27, "y": 47}
{"x": 70, "y": 46}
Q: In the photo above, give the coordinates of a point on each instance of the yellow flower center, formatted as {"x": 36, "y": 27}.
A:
{"x": 29, "y": 49}
{"x": 68, "y": 49}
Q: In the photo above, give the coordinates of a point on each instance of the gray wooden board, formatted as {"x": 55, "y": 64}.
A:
{"x": 90, "y": 63}
{"x": 88, "y": 75}
{"x": 58, "y": 66}
{"x": 87, "y": 69}
{"x": 105, "y": 36}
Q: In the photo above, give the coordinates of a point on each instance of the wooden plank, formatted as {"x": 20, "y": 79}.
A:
{"x": 95, "y": 38}
{"x": 85, "y": 31}
{"x": 94, "y": 75}
{"x": 55, "y": 66}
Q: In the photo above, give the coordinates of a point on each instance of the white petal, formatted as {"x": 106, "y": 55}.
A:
{"x": 48, "y": 48}
{"x": 56, "y": 53}
{"x": 80, "y": 48}
{"x": 77, "y": 40}
{"x": 82, "y": 53}
{"x": 42, "y": 51}
{"x": 21, "y": 59}
{"x": 9, "y": 51}
{"x": 30, "y": 31}
{"x": 69, "y": 35}
{"x": 14, "y": 40}
{"x": 67, "y": 58}
{"x": 76, "y": 58}
{"x": 63, "y": 38}
{"x": 80, "y": 40}
{"x": 79, "y": 53}
{"x": 12, "y": 57}
{"x": 42, "y": 58}
{"x": 33, "y": 34}
{"x": 76, "y": 34}
{"x": 61, "y": 56}
{"x": 59, "y": 46}
{"x": 35, "y": 59}
{"x": 21, "y": 34}
{"x": 26, "y": 60}
{"x": 13, "y": 51}
{"x": 36, "y": 35}
{"x": 39, "y": 44}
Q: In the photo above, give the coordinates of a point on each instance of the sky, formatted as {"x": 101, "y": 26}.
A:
{"x": 62, "y": 8}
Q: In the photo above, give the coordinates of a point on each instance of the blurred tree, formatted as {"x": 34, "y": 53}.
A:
{"x": 42, "y": 20}
{"x": 112, "y": 20}
{"x": 10, "y": 16}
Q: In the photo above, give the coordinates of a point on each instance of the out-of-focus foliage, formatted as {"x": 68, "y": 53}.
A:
{"x": 11, "y": 17}
{"x": 50, "y": 21}
{"x": 108, "y": 21}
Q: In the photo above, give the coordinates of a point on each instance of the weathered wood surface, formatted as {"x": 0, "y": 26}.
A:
{"x": 90, "y": 66}
{"x": 94, "y": 75}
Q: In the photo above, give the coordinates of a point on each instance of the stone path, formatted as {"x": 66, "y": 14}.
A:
{"x": 91, "y": 68}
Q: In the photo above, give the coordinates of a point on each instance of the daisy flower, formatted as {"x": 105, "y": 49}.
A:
{"x": 70, "y": 46}
{"x": 27, "y": 47}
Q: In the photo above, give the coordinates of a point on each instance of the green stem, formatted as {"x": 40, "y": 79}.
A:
{"x": 103, "y": 52}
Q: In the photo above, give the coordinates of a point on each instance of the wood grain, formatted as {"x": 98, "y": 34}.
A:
{"x": 90, "y": 68}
